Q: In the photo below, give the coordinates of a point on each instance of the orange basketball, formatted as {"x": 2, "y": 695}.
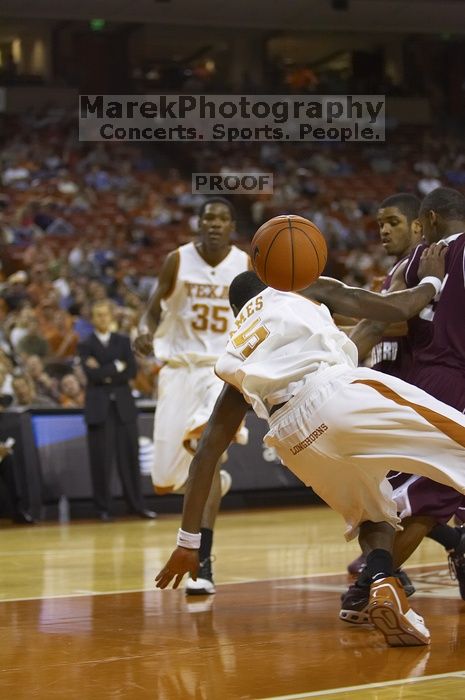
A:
{"x": 289, "y": 253}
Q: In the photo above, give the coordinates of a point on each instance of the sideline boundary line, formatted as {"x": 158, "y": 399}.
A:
{"x": 367, "y": 686}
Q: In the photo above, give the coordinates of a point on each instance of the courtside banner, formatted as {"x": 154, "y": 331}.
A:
{"x": 60, "y": 440}
{"x": 231, "y": 118}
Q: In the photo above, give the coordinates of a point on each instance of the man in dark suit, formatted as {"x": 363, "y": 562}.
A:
{"x": 110, "y": 413}
{"x": 10, "y": 500}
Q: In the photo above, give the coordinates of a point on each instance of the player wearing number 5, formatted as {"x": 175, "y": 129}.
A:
{"x": 187, "y": 324}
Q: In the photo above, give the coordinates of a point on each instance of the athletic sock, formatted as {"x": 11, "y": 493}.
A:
{"x": 448, "y": 536}
{"x": 379, "y": 564}
{"x": 364, "y": 579}
{"x": 206, "y": 542}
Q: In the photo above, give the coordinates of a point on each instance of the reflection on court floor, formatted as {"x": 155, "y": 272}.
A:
{"x": 80, "y": 617}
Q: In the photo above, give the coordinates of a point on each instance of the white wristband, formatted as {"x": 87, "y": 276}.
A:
{"x": 435, "y": 281}
{"x": 189, "y": 540}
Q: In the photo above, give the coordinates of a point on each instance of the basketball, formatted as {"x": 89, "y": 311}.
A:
{"x": 289, "y": 253}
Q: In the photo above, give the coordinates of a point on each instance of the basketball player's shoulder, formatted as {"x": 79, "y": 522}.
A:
{"x": 402, "y": 263}
{"x": 174, "y": 257}
{"x": 456, "y": 243}
{"x": 395, "y": 276}
{"x": 412, "y": 264}
{"x": 186, "y": 248}
{"x": 235, "y": 250}
{"x": 190, "y": 254}
{"x": 241, "y": 258}
{"x": 455, "y": 259}
{"x": 276, "y": 298}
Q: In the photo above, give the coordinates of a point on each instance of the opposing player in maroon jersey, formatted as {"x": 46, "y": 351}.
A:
{"x": 400, "y": 233}
{"x": 439, "y": 353}
{"x": 437, "y": 346}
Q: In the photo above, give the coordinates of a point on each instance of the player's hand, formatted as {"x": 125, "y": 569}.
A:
{"x": 92, "y": 363}
{"x": 143, "y": 344}
{"x": 182, "y": 561}
{"x": 433, "y": 261}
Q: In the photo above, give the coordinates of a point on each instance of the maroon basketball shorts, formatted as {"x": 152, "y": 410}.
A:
{"x": 419, "y": 495}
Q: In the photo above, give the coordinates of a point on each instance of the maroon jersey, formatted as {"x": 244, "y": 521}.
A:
{"x": 392, "y": 355}
{"x": 442, "y": 342}
{"x": 437, "y": 342}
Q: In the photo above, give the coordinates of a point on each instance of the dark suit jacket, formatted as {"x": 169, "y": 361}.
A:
{"x": 105, "y": 381}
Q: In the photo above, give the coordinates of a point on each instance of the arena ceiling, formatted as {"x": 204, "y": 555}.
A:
{"x": 360, "y": 15}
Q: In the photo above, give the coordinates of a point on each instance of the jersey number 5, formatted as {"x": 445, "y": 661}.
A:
{"x": 251, "y": 337}
{"x": 213, "y": 318}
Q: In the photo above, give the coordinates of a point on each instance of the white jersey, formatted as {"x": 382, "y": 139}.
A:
{"x": 279, "y": 339}
{"x": 196, "y": 317}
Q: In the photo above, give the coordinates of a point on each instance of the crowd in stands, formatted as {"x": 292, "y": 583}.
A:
{"x": 81, "y": 222}
{"x": 78, "y": 223}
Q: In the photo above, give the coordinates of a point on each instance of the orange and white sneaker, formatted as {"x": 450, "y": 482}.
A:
{"x": 390, "y": 613}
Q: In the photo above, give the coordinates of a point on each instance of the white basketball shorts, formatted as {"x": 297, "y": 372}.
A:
{"x": 346, "y": 429}
{"x": 186, "y": 397}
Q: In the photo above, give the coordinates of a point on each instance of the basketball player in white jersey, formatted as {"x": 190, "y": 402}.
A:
{"x": 336, "y": 426}
{"x": 188, "y": 320}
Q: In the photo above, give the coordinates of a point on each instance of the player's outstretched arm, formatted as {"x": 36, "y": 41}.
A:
{"x": 223, "y": 424}
{"x": 143, "y": 344}
{"x": 367, "y": 333}
{"x": 394, "y": 306}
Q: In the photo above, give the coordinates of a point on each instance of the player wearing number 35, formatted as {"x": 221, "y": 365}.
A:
{"x": 187, "y": 324}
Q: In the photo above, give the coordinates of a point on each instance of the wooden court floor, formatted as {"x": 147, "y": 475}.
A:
{"x": 80, "y": 618}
